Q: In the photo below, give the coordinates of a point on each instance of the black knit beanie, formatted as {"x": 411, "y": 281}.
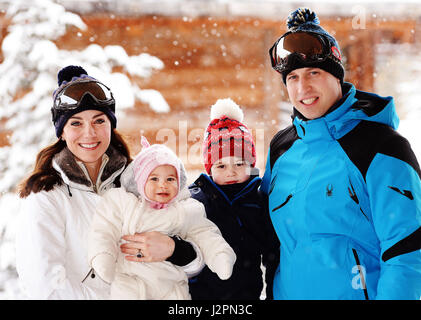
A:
{"x": 69, "y": 74}
{"x": 305, "y": 20}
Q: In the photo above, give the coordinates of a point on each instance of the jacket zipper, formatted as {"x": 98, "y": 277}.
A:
{"x": 90, "y": 273}
{"x": 363, "y": 283}
{"x": 85, "y": 171}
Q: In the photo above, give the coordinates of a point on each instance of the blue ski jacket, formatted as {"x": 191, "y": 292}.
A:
{"x": 345, "y": 201}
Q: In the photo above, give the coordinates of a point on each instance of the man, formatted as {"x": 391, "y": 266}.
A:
{"x": 344, "y": 187}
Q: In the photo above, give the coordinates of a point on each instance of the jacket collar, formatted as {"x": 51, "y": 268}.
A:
{"x": 207, "y": 184}
{"x": 75, "y": 174}
{"x": 343, "y": 116}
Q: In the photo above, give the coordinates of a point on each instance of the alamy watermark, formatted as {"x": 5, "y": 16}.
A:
{"x": 358, "y": 281}
{"x": 188, "y": 143}
{"x": 360, "y": 17}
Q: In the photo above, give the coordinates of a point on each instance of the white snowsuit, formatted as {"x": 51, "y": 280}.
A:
{"x": 121, "y": 212}
{"x": 52, "y": 232}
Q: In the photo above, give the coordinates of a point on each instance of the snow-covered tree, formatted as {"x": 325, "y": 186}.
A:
{"x": 31, "y": 62}
{"x": 27, "y": 80}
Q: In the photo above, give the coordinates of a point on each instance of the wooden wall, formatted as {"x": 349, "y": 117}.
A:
{"x": 210, "y": 58}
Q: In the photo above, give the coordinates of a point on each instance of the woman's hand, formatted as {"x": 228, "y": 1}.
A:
{"x": 154, "y": 246}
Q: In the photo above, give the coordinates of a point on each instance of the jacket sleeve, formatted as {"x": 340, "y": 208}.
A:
{"x": 194, "y": 267}
{"x": 41, "y": 252}
{"x": 204, "y": 233}
{"x": 394, "y": 190}
{"x": 106, "y": 226}
{"x": 264, "y": 186}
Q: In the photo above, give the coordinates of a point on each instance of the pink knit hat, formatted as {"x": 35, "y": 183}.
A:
{"x": 147, "y": 160}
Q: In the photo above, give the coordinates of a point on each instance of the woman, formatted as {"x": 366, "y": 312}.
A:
{"x": 61, "y": 194}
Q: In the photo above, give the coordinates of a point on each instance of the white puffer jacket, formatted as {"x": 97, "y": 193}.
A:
{"x": 51, "y": 239}
{"x": 52, "y": 233}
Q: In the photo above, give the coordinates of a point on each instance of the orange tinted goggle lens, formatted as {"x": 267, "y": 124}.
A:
{"x": 305, "y": 44}
{"x": 71, "y": 96}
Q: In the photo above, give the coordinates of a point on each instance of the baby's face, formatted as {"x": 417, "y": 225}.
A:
{"x": 230, "y": 170}
{"x": 162, "y": 184}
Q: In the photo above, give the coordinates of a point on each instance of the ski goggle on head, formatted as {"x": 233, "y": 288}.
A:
{"x": 82, "y": 92}
{"x": 308, "y": 47}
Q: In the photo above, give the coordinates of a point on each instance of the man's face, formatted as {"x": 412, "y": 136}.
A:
{"x": 313, "y": 91}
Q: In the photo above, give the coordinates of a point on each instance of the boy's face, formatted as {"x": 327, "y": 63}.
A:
{"x": 230, "y": 170}
{"x": 313, "y": 91}
{"x": 162, "y": 184}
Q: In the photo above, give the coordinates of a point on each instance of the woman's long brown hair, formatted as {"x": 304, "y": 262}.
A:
{"x": 45, "y": 177}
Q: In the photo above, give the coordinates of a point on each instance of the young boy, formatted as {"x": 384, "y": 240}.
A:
{"x": 162, "y": 203}
{"x": 229, "y": 192}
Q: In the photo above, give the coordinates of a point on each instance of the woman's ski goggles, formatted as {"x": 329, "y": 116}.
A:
{"x": 85, "y": 91}
{"x": 308, "y": 47}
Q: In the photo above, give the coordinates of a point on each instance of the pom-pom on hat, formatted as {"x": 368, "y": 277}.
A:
{"x": 68, "y": 73}
{"x": 306, "y": 20}
{"x": 226, "y": 135}
{"x": 65, "y": 78}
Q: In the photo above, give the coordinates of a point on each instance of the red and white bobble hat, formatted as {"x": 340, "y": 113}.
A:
{"x": 226, "y": 135}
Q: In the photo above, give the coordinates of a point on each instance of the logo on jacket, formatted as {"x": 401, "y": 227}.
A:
{"x": 329, "y": 190}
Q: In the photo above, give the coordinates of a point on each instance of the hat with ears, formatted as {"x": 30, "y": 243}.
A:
{"x": 151, "y": 157}
{"x": 226, "y": 135}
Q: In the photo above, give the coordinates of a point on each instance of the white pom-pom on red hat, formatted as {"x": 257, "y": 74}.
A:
{"x": 226, "y": 107}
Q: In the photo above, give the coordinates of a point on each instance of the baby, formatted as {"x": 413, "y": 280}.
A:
{"x": 156, "y": 198}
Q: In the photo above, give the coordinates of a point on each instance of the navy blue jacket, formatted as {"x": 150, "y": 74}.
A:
{"x": 345, "y": 200}
{"x": 246, "y": 226}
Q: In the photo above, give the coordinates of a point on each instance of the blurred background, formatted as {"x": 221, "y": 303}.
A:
{"x": 168, "y": 61}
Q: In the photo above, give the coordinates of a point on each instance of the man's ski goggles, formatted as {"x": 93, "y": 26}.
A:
{"x": 82, "y": 92}
{"x": 308, "y": 47}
